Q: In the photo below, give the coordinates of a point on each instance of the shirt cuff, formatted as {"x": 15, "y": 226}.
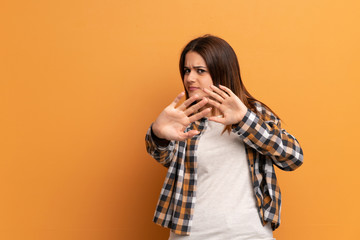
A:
{"x": 250, "y": 120}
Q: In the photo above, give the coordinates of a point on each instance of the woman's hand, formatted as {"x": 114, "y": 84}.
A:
{"x": 232, "y": 108}
{"x": 172, "y": 122}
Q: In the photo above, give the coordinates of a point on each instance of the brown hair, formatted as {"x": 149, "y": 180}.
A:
{"x": 223, "y": 66}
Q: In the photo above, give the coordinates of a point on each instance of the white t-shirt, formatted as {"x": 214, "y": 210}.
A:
{"x": 225, "y": 206}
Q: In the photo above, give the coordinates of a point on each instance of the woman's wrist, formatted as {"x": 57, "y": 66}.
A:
{"x": 156, "y": 130}
{"x": 157, "y": 139}
{"x": 240, "y": 117}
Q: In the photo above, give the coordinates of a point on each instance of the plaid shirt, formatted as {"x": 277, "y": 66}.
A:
{"x": 266, "y": 143}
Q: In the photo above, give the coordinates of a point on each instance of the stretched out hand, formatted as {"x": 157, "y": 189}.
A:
{"x": 232, "y": 108}
{"x": 172, "y": 122}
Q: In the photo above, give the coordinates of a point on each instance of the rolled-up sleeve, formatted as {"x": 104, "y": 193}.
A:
{"x": 162, "y": 154}
{"x": 266, "y": 136}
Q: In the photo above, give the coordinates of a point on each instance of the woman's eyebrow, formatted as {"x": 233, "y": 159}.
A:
{"x": 196, "y": 67}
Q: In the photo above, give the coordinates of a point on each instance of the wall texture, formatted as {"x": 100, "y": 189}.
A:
{"x": 81, "y": 81}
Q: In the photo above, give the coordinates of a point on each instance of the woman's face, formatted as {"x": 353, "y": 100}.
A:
{"x": 196, "y": 75}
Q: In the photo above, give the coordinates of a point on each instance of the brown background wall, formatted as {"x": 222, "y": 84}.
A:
{"x": 81, "y": 81}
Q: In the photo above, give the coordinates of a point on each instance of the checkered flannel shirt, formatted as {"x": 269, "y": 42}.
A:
{"x": 266, "y": 143}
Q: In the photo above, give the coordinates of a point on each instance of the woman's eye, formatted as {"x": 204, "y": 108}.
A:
{"x": 186, "y": 70}
{"x": 201, "y": 70}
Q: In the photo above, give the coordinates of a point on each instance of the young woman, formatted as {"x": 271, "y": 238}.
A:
{"x": 220, "y": 147}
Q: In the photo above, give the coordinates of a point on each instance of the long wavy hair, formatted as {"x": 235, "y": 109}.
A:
{"x": 223, "y": 66}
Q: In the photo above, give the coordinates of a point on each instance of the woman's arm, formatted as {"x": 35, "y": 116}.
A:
{"x": 169, "y": 127}
{"x": 266, "y": 136}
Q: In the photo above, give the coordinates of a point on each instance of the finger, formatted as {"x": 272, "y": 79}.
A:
{"x": 185, "y": 135}
{"x": 214, "y": 95}
{"x": 200, "y": 115}
{"x": 219, "y": 91}
{"x": 217, "y": 119}
{"x": 227, "y": 90}
{"x": 189, "y": 134}
{"x": 188, "y": 102}
{"x": 177, "y": 99}
{"x": 196, "y": 107}
{"x": 214, "y": 103}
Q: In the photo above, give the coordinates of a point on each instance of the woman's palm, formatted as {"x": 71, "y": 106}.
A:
{"x": 172, "y": 122}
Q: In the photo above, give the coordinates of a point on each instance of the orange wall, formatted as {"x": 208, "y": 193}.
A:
{"x": 81, "y": 81}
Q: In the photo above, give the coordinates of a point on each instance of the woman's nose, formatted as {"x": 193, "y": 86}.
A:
{"x": 191, "y": 76}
